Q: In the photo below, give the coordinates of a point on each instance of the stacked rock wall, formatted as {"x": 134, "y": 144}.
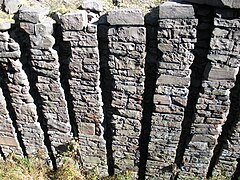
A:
{"x": 176, "y": 38}
{"x": 158, "y": 97}
{"x": 127, "y": 39}
{"x": 84, "y": 84}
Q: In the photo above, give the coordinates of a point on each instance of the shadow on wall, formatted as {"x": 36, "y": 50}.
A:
{"x": 152, "y": 61}
{"x": 23, "y": 40}
{"x": 107, "y": 84}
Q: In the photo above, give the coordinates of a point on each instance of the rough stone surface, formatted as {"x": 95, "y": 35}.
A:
{"x": 84, "y": 82}
{"x": 8, "y": 139}
{"x": 219, "y": 3}
{"x": 11, "y": 6}
{"x": 93, "y": 5}
{"x": 177, "y": 117}
{"x": 174, "y": 10}
{"x": 125, "y": 17}
{"x": 23, "y": 108}
{"x": 45, "y": 73}
{"x": 171, "y": 93}
{"x": 74, "y": 21}
{"x": 126, "y": 67}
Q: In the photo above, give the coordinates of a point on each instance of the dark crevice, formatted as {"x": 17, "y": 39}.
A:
{"x": 4, "y": 68}
{"x": 64, "y": 53}
{"x": 2, "y": 154}
{"x": 151, "y": 72}
{"x": 205, "y": 16}
{"x": 23, "y": 39}
{"x": 106, "y": 86}
{"x": 228, "y": 128}
{"x": 236, "y": 174}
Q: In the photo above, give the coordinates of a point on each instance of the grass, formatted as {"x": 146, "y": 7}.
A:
{"x": 35, "y": 168}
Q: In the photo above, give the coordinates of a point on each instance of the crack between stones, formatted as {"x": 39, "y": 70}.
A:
{"x": 64, "y": 53}
{"x": 2, "y": 154}
{"x": 196, "y": 80}
{"x": 106, "y": 79}
{"x": 151, "y": 67}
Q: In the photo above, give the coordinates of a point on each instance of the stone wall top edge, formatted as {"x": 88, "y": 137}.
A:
{"x": 235, "y": 4}
{"x": 176, "y": 10}
{"x": 125, "y": 17}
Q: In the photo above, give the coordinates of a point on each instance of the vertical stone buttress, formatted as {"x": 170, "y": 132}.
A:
{"x": 214, "y": 100}
{"x": 84, "y": 82}
{"x": 16, "y": 87}
{"x": 8, "y": 139}
{"x": 44, "y": 66}
{"x": 127, "y": 39}
{"x": 225, "y": 51}
{"x": 176, "y": 38}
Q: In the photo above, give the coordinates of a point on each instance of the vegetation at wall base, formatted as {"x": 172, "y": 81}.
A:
{"x": 16, "y": 167}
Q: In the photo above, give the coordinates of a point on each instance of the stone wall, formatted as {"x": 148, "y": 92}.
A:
{"x": 156, "y": 95}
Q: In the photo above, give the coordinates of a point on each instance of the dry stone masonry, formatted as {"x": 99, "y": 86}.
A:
{"x": 20, "y": 103}
{"x": 176, "y": 38}
{"x": 157, "y": 95}
{"x": 45, "y": 69}
{"x": 84, "y": 82}
{"x": 127, "y": 38}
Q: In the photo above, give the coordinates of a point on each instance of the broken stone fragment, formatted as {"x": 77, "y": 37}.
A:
{"x": 125, "y": 17}
{"x": 74, "y": 21}
{"x": 93, "y": 5}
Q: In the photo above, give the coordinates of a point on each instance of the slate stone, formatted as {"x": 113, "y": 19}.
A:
{"x": 174, "y": 10}
{"x": 125, "y": 17}
{"x": 74, "y": 21}
{"x": 11, "y": 6}
{"x": 219, "y": 3}
{"x": 5, "y": 26}
{"x": 93, "y": 5}
{"x": 32, "y": 15}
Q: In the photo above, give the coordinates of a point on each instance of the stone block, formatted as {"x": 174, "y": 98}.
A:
{"x": 33, "y": 15}
{"x": 222, "y": 73}
{"x": 93, "y": 5}
{"x": 27, "y": 27}
{"x": 74, "y": 21}
{"x": 219, "y": 3}
{"x": 8, "y": 141}
{"x": 11, "y": 6}
{"x": 4, "y": 26}
{"x": 174, "y": 10}
{"x": 125, "y": 17}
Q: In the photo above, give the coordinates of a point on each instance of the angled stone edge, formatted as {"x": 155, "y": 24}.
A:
{"x": 125, "y": 17}
{"x": 33, "y": 15}
{"x": 74, "y": 21}
{"x": 218, "y": 3}
{"x": 175, "y": 10}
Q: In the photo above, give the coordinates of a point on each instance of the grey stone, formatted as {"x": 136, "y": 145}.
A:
{"x": 11, "y": 6}
{"x": 74, "y": 21}
{"x": 32, "y": 15}
{"x": 93, "y": 5}
{"x": 218, "y": 3}
{"x": 174, "y": 10}
{"x": 125, "y": 17}
{"x": 5, "y": 26}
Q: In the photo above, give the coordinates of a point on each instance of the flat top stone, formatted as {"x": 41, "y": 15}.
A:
{"x": 125, "y": 17}
{"x": 218, "y": 3}
{"x": 175, "y": 10}
{"x": 93, "y": 5}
